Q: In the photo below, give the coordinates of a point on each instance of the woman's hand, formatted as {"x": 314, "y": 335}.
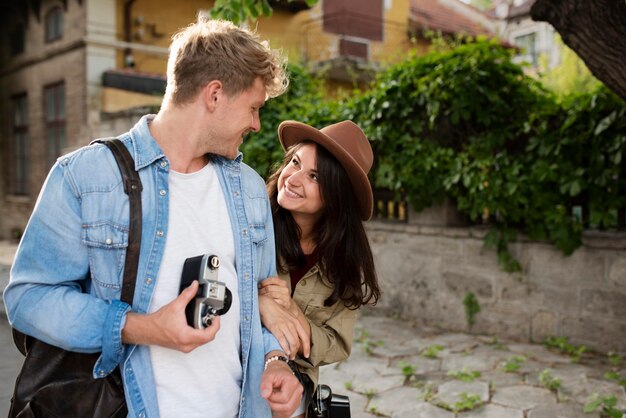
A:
{"x": 277, "y": 289}
{"x": 285, "y": 326}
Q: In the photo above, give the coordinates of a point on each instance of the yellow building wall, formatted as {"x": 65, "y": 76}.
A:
{"x": 153, "y": 23}
{"x": 299, "y": 35}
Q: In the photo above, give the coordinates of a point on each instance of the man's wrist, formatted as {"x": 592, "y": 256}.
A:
{"x": 272, "y": 359}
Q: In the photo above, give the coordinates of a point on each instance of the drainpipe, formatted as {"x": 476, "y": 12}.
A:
{"x": 129, "y": 61}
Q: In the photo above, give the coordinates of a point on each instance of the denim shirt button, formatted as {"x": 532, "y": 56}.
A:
{"x": 162, "y": 192}
{"x": 159, "y": 233}
{"x": 236, "y": 194}
{"x": 149, "y": 280}
{"x": 101, "y": 373}
{"x": 108, "y": 241}
{"x": 244, "y": 232}
{"x": 246, "y": 318}
{"x": 163, "y": 164}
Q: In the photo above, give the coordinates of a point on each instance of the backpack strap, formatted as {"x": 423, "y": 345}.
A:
{"x": 133, "y": 188}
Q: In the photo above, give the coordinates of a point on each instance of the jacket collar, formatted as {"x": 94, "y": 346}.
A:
{"x": 146, "y": 150}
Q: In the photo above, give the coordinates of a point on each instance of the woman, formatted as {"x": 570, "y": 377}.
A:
{"x": 319, "y": 195}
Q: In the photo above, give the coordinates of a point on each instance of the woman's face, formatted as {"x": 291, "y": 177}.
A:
{"x": 298, "y": 186}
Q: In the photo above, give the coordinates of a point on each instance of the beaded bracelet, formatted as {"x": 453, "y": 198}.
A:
{"x": 275, "y": 358}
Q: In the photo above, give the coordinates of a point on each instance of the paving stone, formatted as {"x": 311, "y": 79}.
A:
{"x": 358, "y": 405}
{"x": 476, "y": 362}
{"x": 423, "y": 410}
{"x": 335, "y": 377}
{"x": 498, "y": 379}
{"x": 372, "y": 375}
{"x": 523, "y": 397}
{"x": 421, "y": 364}
{"x": 540, "y": 353}
{"x": 450, "y": 392}
{"x": 397, "y": 400}
{"x": 583, "y": 388}
{"x": 402, "y": 349}
{"x": 566, "y": 410}
{"x": 492, "y": 411}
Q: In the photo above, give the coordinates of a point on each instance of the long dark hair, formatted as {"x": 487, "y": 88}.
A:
{"x": 344, "y": 253}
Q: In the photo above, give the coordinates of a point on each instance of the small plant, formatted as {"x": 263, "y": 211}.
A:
{"x": 362, "y": 336}
{"x": 370, "y": 393}
{"x": 548, "y": 381}
{"x": 472, "y": 307}
{"x": 613, "y": 375}
{"x": 432, "y": 351}
{"x": 497, "y": 345}
{"x": 562, "y": 344}
{"x": 465, "y": 375}
{"x": 615, "y": 359}
{"x": 408, "y": 371}
{"x": 348, "y": 385}
{"x": 428, "y": 393}
{"x": 467, "y": 402}
{"x": 606, "y": 404}
{"x": 513, "y": 364}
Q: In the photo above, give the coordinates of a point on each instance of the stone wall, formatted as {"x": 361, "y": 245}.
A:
{"x": 426, "y": 271}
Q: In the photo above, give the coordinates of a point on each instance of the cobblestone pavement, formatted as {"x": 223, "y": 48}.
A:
{"x": 400, "y": 370}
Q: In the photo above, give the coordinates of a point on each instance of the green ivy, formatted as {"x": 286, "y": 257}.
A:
{"x": 240, "y": 11}
{"x": 467, "y": 125}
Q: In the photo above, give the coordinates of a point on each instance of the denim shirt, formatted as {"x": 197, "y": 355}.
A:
{"x": 76, "y": 240}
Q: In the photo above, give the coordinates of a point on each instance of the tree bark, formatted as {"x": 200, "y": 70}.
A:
{"x": 595, "y": 30}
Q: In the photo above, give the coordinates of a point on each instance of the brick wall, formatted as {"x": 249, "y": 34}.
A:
{"x": 41, "y": 64}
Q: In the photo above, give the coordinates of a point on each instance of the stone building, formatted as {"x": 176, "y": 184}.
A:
{"x": 75, "y": 70}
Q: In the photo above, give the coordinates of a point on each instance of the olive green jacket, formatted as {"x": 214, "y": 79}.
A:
{"x": 332, "y": 327}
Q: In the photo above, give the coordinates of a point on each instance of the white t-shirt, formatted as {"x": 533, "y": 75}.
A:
{"x": 207, "y": 381}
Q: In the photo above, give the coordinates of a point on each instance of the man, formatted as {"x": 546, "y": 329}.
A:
{"x": 198, "y": 198}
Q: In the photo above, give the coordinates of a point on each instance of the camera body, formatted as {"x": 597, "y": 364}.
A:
{"x": 326, "y": 404}
{"x": 212, "y": 298}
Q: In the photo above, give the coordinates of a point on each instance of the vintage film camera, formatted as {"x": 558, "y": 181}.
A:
{"x": 213, "y": 297}
{"x": 326, "y": 404}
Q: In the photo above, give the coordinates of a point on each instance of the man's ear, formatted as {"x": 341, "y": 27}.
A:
{"x": 212, "y": 94}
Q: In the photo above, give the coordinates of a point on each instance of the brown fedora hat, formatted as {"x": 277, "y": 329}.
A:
{"x": 348, "y": 144}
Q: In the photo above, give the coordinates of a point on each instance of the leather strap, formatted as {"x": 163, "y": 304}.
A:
{"x": 133, "y": 188}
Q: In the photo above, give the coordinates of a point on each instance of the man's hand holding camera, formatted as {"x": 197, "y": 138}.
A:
{"x": 168, "y": 326}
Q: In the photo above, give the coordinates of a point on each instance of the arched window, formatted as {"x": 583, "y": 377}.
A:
{"x": 54, "y": 24}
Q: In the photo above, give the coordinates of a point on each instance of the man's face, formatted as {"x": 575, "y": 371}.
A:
{"x": 238, "y": 115}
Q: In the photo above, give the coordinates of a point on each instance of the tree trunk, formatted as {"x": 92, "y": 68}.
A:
{"x": 595, "y": 30}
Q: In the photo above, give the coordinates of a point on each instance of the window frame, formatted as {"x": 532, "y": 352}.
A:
{"x": 56, "y": 123}
{"x": 18, "y": 152}
{"x": 56, "y": 11}
{"x": 17, "y": 39}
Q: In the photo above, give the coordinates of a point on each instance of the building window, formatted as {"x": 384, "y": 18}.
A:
{"x": 18, "y": 158}
{"x": 528, "y": 45}
{"x": 17, "y": 38}
{"x": 54, "y": 98}
{"x": 54, "y": 24}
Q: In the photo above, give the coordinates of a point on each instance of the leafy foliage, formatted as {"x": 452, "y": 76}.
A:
{"x": 239, "y": 11}
{"x": 467, "y": 125}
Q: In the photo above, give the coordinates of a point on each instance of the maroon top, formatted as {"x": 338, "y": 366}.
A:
{"x": 298, "y": 273}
